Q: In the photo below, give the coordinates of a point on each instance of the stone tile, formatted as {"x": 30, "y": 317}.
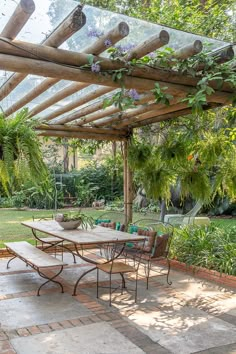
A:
{"x": 36, "y": 310}
{"x": 72, "y": 274}
{"x": 225, "y": 349}
{"x": 95, "y": 338}
{"x": 184, "y": 330}
{"x": 22, "y": 282}
{"x": 228, "y": 318}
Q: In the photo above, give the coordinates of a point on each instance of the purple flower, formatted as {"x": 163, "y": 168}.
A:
{"x": 95, "y": 68}
{"x": 92, "y": 32}
{"x": 152, "y": 55}
{"x": 107, "y": 43}
{"x": 133, "y": 94}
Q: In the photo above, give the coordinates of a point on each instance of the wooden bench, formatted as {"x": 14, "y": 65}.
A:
{"x": 36, "y": 259}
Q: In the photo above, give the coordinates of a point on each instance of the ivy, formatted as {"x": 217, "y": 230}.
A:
{"x": 121, "y": 99}
{"x": 160, "y": 95}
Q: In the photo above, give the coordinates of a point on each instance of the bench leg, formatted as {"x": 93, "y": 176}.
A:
{"x": 10, "y": 261}
{"x": 50, "y": 279}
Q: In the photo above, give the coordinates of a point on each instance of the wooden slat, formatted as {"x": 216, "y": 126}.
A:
{"x": 33, "y": 255}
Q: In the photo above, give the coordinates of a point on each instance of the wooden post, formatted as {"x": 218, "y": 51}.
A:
{"x": 129, "y": 190}
{"x": 18, "y": 19}
{"x": 125, "y": 157}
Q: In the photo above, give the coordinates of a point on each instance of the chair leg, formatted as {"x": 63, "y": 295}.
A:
{"x": 169, "y": 282}
{"x": 110, "y": 290}
{"x": 123, "y": 283}
{"x": 136, "y": 287}
{"x": 97, "y": 282}
{"x": 148, "y": 268}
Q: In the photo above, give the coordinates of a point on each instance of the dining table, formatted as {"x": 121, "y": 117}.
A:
{"x": 100, "y": 238}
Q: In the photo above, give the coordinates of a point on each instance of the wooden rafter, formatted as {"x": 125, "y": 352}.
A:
{"x": 92, "y": 119}
{"x": 67, "y": 28}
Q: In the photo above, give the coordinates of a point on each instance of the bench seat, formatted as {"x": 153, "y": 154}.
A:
{"x": 35, "y": 258}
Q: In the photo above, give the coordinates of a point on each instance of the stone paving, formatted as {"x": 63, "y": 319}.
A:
{"x": 191, "y": 316}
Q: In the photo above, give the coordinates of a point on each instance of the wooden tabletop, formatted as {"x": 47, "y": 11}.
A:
{"x": 79, "y": 236}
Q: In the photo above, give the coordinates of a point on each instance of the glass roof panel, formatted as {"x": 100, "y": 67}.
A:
{"x": 50, "y": 13}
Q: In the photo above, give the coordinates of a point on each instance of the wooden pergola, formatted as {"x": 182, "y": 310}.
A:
{"x": 84, "y": 117}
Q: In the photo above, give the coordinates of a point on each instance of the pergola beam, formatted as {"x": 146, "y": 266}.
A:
{"x": 38, "y": 67}
{"x": 146, "y": 47}
{"x": 20, "y": 16}
{"x": 82, "y": 135}
{"x": 77, "y": 102}
{"x": 115, "y": 34}
{"x": 67, "y": 28}
{"x": 94, "y": 111}
{"x": 68, "y": 128}
{"x": 75, "y": 59}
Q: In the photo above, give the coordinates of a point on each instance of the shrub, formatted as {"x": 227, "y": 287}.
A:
{"x": 210, "y": 247}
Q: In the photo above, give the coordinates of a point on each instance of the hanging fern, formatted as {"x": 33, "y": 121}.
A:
{"x": 19, "y": 151}
{"x": 139, "y": 154}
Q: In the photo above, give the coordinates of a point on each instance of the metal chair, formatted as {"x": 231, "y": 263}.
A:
{"x": 112, "y": 216}
{"x": 157, "y": 248}
{"x": 120, "y": 266}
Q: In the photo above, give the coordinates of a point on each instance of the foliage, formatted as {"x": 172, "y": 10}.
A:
{"x": 196, "y": 154}
{"x": 20, "y": 154}
{"x": 94, "y": 182}
{"x": 210, "y": 247}
{"x": 86, "y": 220}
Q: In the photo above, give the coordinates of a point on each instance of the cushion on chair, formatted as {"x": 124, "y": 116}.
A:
{"x": 99, "y": 221}
{"x": 160, "y": 246}
{"x": 150, "y": 240}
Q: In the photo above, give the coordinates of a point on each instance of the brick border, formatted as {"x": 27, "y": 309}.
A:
{"x": 203, "y": 273}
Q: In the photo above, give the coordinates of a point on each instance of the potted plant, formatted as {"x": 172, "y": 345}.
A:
{"x": 72, "y": 220}
{"x": 20, "y": 154}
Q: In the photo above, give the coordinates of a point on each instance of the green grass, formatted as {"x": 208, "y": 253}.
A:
{"x": 12, "y": 230}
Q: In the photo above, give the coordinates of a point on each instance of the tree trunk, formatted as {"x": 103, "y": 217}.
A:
{"x": 163, "y": 210}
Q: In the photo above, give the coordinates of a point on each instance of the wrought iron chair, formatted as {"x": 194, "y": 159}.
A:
{"x": 110, "y": 217}
{"x": 159, "y": 236}
{"x": 51, "y": 242}
{"x": 120, "y": 266}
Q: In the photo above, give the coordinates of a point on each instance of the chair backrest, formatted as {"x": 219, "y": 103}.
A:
{"x": 163, "y": 239}
{"x": 111, "y": 225}
{"x": 137, "y": 253}
{"x": 113, "y": 216}
{"x": 144, "y": 222}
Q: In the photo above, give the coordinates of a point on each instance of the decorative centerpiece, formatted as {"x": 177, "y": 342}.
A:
{"x": 72, "y": 220}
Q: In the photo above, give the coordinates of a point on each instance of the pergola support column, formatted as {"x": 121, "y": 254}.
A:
{"x": 128, "y": 186}
{"x": 125, "y": 161}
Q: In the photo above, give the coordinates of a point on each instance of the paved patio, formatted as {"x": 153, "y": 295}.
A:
{"x": 191, "y": 316}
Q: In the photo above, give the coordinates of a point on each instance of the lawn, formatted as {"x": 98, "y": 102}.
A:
{"x": 12, "y": 230}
